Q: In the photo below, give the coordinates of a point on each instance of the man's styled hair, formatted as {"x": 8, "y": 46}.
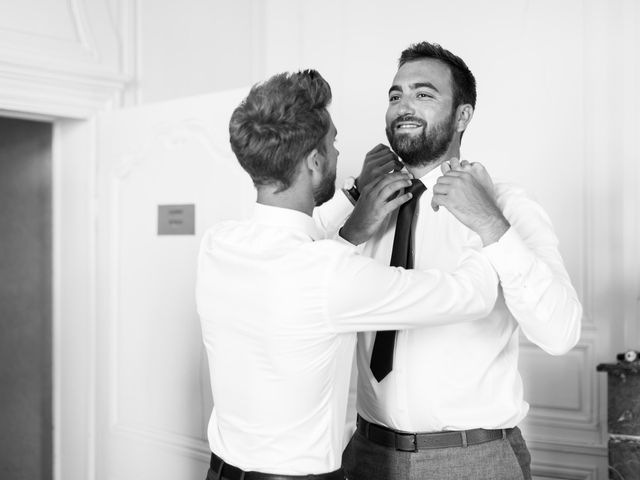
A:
{"x": 464, "y": 83}
{"x": 279, "y": 123}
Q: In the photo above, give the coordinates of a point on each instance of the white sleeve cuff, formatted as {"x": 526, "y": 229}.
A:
{"x": 510, "y": 257}
{"x": 344, "y": 241}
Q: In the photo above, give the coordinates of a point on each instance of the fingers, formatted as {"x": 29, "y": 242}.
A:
{"x": 381, "y": 157}
{"x": 454, "y": 164}
{"x": 379, "y": 161}
{"x": 384, "y": 168}
{"x": 460, "y": 165}
{"x": 393, "y": 189}
{"x": 436, "y": 201}
{"x": 378, "y": 148}
{"x": 452, "y": 181}
{"x": 455, "y": 175}
{"x": 384, "y": 180}
{"x": 397, "y": 202}
{"x": 377, "y": 152}
{"x": 466, "y": 165}
{"x": 389, "y": 184}
{"x": 383, "y": 154}
{"x": 398, "y": 165}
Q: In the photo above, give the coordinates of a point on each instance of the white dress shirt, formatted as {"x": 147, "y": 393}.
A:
{"x": 279, "y": 312}
{"x": 465, "y": 375}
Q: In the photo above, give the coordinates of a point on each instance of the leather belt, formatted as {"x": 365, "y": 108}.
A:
{"x": 225, "y": 471}
{"x": 412, "y": 442}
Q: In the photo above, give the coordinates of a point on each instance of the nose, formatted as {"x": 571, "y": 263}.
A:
{"x": 405, "y": 107}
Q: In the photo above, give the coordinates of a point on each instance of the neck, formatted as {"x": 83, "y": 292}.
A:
{"x": 419, "y": 171}
{"x": 294, "y": 198}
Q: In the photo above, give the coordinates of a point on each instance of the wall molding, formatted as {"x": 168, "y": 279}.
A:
{"x": 562, "y": 472}
{"x": 72, "y": 76}
{"x": 32, "y": 47}
{"x": 577, "y": 425}
{"x": 584, "y": 414}
{"x": 58, "y": 94}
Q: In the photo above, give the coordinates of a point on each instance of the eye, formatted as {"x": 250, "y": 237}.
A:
{"x": 424, "y": 95}
{"x": 394, "y": 98}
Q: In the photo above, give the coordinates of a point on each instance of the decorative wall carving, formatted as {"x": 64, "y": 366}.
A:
{"x": 71, "y": 63}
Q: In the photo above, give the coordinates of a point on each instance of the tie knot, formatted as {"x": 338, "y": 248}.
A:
{"x": 417, "y": 188}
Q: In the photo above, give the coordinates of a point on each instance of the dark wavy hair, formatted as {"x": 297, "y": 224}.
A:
{"x": 279, "y": 123}
{"x": 464, "y": 83}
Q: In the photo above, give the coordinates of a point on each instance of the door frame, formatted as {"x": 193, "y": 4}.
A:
{"x": 73, "y": 285}
{"x": 74, "y": 298}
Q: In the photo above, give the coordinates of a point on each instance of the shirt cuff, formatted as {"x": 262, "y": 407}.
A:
{"x": 344, "y": 241}
{"x": 510, "y": 256}
{"x": 338, "y": 207}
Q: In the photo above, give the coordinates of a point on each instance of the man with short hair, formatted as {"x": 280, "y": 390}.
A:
{"x": 448, "y": 399}
{"x": 279, "y": 306}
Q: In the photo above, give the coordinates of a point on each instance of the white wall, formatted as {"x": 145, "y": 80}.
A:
{"x": 194, "y": 47}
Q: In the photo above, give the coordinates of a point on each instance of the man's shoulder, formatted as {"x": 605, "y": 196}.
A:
{"x": 224, "y": 227}
{"x": 223, "y": 230}
{"x": 519, "y": 206}
{"x": 505, "y": 190}
{"x": 510, "y": 195}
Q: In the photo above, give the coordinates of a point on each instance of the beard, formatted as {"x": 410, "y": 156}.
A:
{"x": 326, "y": 189}
{"x": 425, "y": 148}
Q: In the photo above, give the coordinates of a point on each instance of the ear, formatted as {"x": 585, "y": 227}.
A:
{"x": 464, "y": 114}
{"x": 313, "y": 161}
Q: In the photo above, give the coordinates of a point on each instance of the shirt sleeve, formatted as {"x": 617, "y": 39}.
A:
{"x": 364, "y": 295}
{"x": 332, "y": 214}
{"x": 535, "y": 283}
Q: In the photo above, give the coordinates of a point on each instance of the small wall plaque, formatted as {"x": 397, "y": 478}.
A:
{"x": 176, "y": 219}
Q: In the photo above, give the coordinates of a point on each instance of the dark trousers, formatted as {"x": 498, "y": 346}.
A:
{"x": 503, "y": 459}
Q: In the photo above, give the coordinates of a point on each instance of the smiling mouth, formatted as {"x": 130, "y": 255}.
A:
{"x": 408, "y": 126}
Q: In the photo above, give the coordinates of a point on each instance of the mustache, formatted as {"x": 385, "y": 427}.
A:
{"x": 408, "y": 118}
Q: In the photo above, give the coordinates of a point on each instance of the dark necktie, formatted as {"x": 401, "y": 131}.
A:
{"x": 401, "y": 256}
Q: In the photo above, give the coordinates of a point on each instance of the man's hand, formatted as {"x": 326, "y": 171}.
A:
{"x": 377, "y": 200}
{"x": 466, "y": 190}
{"x": 378, "y": 161}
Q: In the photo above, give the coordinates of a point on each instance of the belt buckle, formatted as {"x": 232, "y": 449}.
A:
{"x": 406, "y": 442}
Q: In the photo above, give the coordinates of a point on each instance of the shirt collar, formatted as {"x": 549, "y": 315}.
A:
{"x": 286, "y": 218}
{"x": 429, "y": 179}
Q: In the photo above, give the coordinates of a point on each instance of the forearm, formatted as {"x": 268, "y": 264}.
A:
{"x": 538, "y": 292}
{"x": 395, "y": 298}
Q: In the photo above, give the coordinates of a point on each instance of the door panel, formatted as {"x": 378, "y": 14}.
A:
{"x": 154, "y": 397}
{"x": 25, "y": 300}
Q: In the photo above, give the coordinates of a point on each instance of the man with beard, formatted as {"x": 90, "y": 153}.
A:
{"x": 279, "y": 306}
{"x": 444, "y": 401}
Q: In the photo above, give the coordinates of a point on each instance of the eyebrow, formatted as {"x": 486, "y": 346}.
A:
{"x": 415, "y": 86}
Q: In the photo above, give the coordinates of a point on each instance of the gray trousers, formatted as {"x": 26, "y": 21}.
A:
{"x": 504, "y": 459}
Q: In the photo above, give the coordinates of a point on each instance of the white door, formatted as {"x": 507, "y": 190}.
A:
{"x": 153, "y": 397}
